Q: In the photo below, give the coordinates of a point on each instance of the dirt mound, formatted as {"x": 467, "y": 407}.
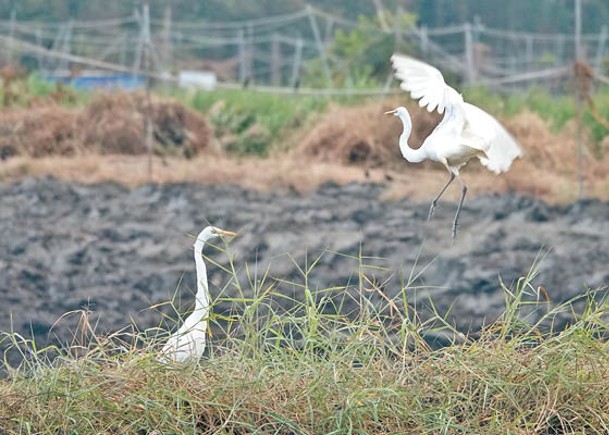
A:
{"x": 363, "y": 134}
{"x": 110, "y": 124}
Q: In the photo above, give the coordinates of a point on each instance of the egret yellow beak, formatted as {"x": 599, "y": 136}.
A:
{"x": 391, "y": 112}
{"x": 225, "y": 233}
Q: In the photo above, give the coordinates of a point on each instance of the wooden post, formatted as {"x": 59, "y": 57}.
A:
{"x": 296, "y": 64}
{"x": 242, "y": 56}
{"x": 320, "y": 46}
{"x": 560, "y": 50}
{"x": 579, "y": 97}
{"x": 600, "y": 49}
{"x": 469, "y": 55}
{"x": 165, "y": 49}
{"x": 42, "y": 65}
{"x": 328, "y": 34}
{"x": 147, "y": 67}
{"x": 11, "y": 35}
{"x": 478, "y": 52}
{"x": 424, "y": 41}
{"x": 380, "y": 13}
{"x": 123, "y": 50}
{"x": 137, "y": 62}
{"x": 250, "y": 53}
{"x": 529, "y": 54}
{"x": 397, "y": 30}
{"x": 275, "y": 60}
{"x": 66, "y": 46}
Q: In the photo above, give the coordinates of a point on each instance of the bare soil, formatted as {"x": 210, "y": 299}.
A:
{"x": 120, "y": 250}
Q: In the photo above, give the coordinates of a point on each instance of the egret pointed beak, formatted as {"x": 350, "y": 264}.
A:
{"x": 225, "y": 233}
{"x": 391, "y": 112}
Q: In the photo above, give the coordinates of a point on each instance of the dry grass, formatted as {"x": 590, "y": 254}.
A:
{"x": 362, "y": 135}
{"x": 310, "y": 370}
{"x": 346, "y": 144}
{"x": 283, "y": 174}
{"x": 111, "y": 123}
{"x": 39, "y": 132}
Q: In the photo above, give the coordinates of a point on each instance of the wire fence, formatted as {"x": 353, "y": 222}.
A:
{"x": 272, "y": 52}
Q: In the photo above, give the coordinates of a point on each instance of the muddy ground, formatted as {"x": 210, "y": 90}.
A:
{"x": 119, "y": 251}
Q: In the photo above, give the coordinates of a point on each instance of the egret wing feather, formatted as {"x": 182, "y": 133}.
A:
{"x": 483, "y": 131}
{"x": 424, "y": 82}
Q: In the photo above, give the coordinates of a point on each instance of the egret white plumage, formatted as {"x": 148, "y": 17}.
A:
{"x": 188, "y": 343}
{"x": 464, "y": 132}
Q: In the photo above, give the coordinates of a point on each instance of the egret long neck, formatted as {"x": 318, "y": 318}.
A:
{"x": 412, "y": 155}
{"x": 202, "y": 296}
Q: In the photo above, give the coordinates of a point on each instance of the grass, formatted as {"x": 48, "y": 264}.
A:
{"x": 293, "y": 359}
{"x": 259, "y": 121}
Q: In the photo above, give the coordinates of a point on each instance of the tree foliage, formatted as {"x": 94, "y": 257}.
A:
{"x": 526, "y": 15}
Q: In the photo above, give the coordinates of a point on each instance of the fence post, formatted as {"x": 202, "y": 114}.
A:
{"x": 529, "y": 54}
{"x": 600, "y": 49}
{"x": 296, "y": 64}
{"x": 275, "y": 60}
{"x": 147, "y": 66}
{"x": 242, "y": 61}
{"x": 66, "y": 46}
{"x": 469, "y": 55}
{"x": 137, "y": 61}
{"x": 320, "y": 46}
{"x": 579, "y": 97}
{"x": 122, "y": 59}
{"x": 42, "y": 64}
{"x": 424, "y": 40}
{"x": 250, "y": 53}
{"x": 560, "y": 50}
{"x": 328, "y": 35}
{"x": 165, "y": 49}
{"x": 11, "y": 36}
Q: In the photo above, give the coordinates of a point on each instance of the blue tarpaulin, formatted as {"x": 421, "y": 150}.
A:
{"x": 101, "y": 81}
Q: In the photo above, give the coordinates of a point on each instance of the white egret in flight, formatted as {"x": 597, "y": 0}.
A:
{"x": 464, "y": 132}
{"x": 188, "y": 343}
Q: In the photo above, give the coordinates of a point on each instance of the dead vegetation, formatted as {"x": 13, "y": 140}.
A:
{"x": 111, "y": 124}
{"x": 12, "y": 77}
{"x": 345, "y": 144}
{"x": 362, "y": 135}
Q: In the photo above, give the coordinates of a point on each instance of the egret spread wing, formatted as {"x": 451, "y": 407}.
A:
{"x": 483, "y": 129}
{"x": 424, "y": 82}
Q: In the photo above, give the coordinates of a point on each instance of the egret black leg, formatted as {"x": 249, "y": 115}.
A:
{"x": 435, "y": 200}
{"x": 463, "y": 192}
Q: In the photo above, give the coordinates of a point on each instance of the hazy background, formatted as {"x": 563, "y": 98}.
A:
{"x": 533, "y": 16}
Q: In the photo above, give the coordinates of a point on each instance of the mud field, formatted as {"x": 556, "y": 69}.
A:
{"x": 119, "y": 251}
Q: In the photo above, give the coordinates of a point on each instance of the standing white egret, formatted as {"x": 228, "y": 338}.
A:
{"x": 464, "y": 132}
{"x": 188, "y": 343}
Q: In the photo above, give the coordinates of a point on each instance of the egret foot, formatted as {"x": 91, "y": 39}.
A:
{"x": 456, "y": 221}
{"x": 454, "y": 230}
{"x": 434, "y": 202}
{"x": 431, "y": 210}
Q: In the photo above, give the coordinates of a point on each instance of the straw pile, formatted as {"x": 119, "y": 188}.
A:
{"x": 111, "y": 124}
